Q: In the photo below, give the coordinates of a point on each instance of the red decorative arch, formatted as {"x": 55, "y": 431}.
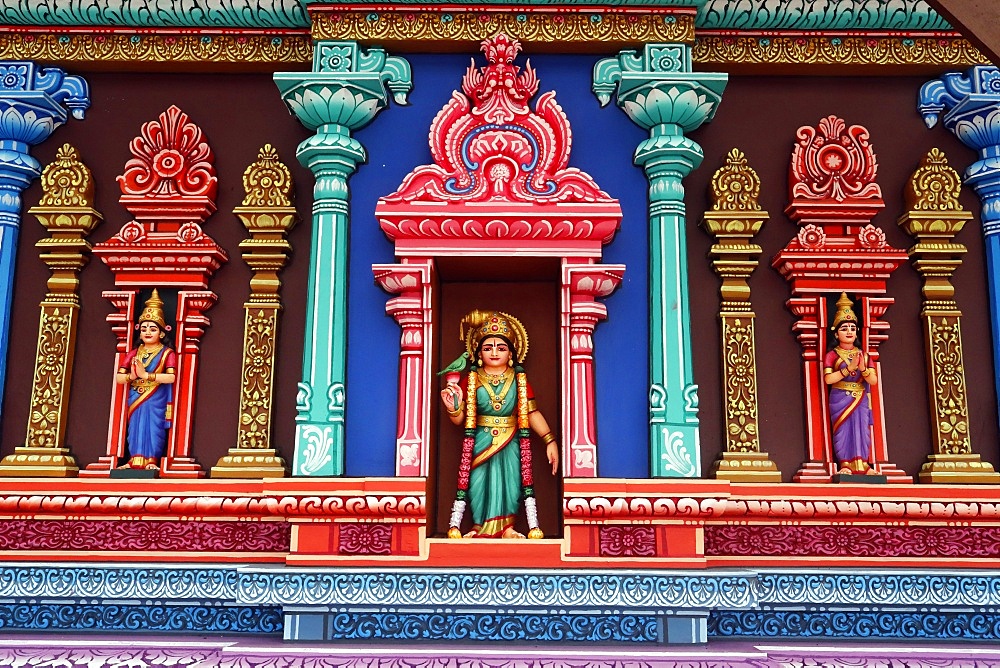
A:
{"x": 500, "y": 178}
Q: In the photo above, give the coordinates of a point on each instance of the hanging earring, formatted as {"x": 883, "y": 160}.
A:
{"x": 510, "y": 362}
{"x": 480, "y": 361}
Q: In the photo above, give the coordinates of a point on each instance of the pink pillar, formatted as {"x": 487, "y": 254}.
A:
{"x": 191, "y": 325}
{"x": 809, "y": 329}
{"x": 413, "y": 282}
{"x": 581, "y": 284}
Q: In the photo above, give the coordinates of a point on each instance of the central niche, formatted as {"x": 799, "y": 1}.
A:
{"x": 499, "y": 222}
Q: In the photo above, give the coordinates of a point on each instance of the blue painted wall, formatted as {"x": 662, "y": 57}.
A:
{"x": 603, "y": 142}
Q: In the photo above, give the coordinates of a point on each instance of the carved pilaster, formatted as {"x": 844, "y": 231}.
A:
{"x": 347, "y": 88}
{"x": 34, "y": 101}
{"x": 659, "y": 93}
{"x": 66, "y": 210}
{"x": 268, "y": 215}
{"x": 934, "y": 218}
{"x": 414, "y": 285}
{"x": 582, "y": 284}
{"x": 735, "y": 217}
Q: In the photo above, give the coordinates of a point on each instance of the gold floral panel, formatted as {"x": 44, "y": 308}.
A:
{"x": 566, "y": 28}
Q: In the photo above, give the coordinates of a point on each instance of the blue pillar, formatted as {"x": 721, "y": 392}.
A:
{"x": 34, "y": 101}
{"x": 969, "y": 107}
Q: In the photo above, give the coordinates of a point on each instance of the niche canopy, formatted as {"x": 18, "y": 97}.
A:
{"x": 500, "y": 180}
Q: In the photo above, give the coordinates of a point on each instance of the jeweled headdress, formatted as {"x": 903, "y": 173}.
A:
{"x": 153, "y": 311}
{"x": 845, "y": 312}
{"x": 478, "y": 325}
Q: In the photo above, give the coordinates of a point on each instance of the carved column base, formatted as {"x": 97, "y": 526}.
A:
{"x": 28, "y": 462}
{"x": 812, "y": 472}
{"x": 961, "y": 469}
{"x": 745, "y": 467}
{"x": 101, "y": 468}
{"x": 180, "y": 467}
{"x": 893, "y": 474}
{"x": 249, "y": 463}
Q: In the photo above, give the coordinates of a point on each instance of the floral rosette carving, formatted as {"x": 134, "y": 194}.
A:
{"x": 833, "y": 162}
{"x": 811, "y": 236}
{"x": 171, "y": 158}
{"x": 872, "y": 237}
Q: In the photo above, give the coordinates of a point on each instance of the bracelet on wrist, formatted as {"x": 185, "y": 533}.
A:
{"x": 548, "y": 438}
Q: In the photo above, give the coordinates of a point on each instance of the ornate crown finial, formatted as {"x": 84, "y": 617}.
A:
{"x": 735, "y": 186}
{"x": 267, "y": 182}
{"x": 935, "y": 186}
{"x": 66, "y": 181}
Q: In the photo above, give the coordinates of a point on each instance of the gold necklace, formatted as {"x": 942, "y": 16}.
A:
{"x": 145, "y": 353}
{"x": 497, "y": 398}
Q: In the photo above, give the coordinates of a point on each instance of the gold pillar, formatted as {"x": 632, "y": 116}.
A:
{"x": 268, "y": 215}
{"x": 66, "y": 210}
{"x": 935, "y": 216}
{"x": 735, "y": 217}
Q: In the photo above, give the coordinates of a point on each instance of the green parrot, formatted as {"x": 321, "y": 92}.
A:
{"x": 457, "y": 366}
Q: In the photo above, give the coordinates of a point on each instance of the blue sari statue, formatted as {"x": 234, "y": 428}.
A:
{"x": 150, "y": 371}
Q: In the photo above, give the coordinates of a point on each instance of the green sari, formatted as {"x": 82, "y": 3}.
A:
{"x": 495, "y": 485}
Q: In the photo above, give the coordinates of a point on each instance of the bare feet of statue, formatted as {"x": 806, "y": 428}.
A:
{"x": 473, "y": 533}
{"x": 844, "y": 471}
{"x": 509, "y": 532}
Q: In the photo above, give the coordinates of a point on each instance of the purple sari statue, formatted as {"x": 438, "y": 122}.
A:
{"x": 850, "y": 378}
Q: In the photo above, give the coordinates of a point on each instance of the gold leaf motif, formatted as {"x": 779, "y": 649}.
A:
{"x": 535, "y": 25}
{"x": 721, "y": 50}
{"x": 267, "y": 182}
{"x": 67, "y": 182}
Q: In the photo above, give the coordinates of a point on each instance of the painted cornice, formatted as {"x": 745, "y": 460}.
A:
{"x": 907, "y": 15}
{"x": 255, "y": 14}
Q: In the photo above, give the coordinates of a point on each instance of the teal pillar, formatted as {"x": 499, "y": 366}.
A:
{"x": 344, "y": 92}
{"x": 34, "y": 101}
{"x": 659, "y": 92}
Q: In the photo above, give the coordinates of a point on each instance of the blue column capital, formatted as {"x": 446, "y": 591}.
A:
{"x": 34, "y": 101}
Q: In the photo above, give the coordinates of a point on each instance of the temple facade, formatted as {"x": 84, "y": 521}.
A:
{"x": 719, "y": 280}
